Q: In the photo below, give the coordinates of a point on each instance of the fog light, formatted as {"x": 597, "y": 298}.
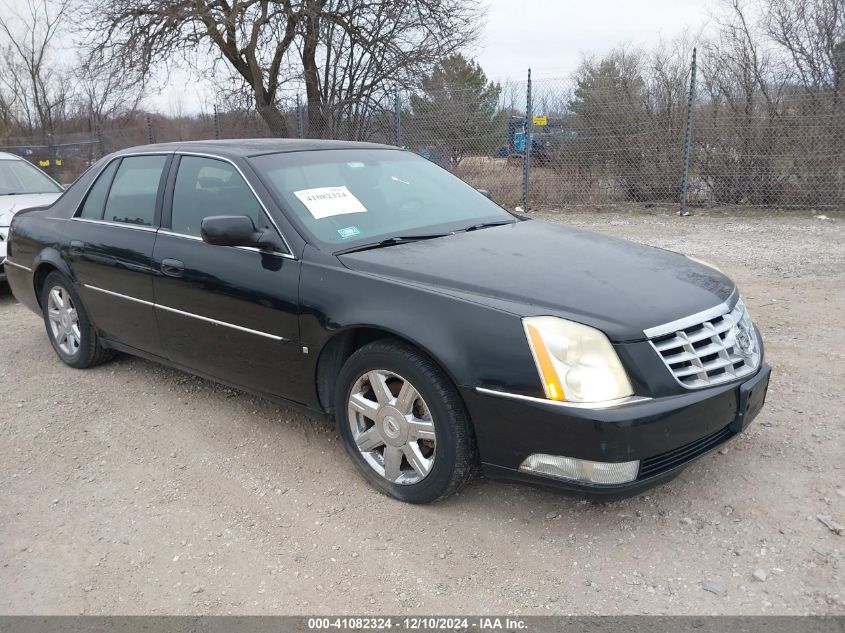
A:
{"x": 581, "y": 469}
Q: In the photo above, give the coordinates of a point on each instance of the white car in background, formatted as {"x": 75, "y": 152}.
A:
{"x": 22, "y": 186}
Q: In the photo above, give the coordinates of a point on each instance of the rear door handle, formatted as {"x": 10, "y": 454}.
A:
{"x": 172, "y": 267}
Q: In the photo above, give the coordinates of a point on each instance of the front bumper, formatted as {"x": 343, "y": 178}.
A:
{"x": 665, "y": 434}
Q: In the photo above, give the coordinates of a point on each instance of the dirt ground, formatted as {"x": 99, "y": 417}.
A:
{"x": 136, "y": 489}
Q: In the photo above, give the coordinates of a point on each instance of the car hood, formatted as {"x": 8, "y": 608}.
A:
{"x": 10, "y": 205}
{"x": 539, "y": 268}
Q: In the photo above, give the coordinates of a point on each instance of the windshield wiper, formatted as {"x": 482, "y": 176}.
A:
{"x": 391, "y": 241}
{"x": 484, "y": 225}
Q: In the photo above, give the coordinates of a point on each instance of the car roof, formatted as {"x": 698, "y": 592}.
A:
{"x": 253, "y": 146}
{"x": 7, "y": 156}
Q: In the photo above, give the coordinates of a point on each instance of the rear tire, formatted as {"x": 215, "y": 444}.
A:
{"x": 403, "y": 423}
{"x": 68, "y": 326}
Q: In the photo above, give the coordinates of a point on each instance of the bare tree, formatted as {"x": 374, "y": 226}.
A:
{"x": 609, "y": 110}
{"x": 106, "y": 92}
{"x": 812, "y": 32}
{"x": 253, "y": 37}
{"x": 41, "y": 90}
{"x": 772, "y": 125}
{"x": 744, "y": 90}
{"x": 364, "y": 49}
{"x": 8, "y": 117}
{"x": 270, "y": 43}
{"x": 810, "y": 35}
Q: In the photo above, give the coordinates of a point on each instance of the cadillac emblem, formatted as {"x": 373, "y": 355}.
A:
{"x": 743, "y": 338}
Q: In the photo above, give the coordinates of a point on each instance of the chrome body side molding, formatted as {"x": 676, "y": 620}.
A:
{"x": 186, "y": 314}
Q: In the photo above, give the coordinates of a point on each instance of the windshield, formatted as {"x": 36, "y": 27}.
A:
{"x": 19, "y": 176}
{"x": 347, "y": 197}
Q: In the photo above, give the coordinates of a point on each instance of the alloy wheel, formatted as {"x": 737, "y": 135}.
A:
{"x": 392, "y": 427}
{"x": 64, "y": 320}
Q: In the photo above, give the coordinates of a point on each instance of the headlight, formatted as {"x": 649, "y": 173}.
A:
{"x": 576, "y": 362}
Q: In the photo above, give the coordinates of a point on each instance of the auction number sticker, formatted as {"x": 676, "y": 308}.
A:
{"x": 324, "y": 202}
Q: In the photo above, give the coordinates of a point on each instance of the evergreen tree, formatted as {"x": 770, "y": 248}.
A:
{"x": 457, "y": 111}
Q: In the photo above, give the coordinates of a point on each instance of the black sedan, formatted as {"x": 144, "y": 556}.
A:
{"x": 442, "y": 333}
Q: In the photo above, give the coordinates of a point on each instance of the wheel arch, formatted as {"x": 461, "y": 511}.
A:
{"x": 346, "y": 342}
{"x": 47, "y": 261}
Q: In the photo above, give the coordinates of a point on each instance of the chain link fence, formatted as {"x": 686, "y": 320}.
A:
{"x": 600, "y": 145}
{"x": 554, "y": 143}
{"x": 62, "y": 158}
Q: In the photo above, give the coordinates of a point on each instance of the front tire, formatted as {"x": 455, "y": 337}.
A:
{"x": 68, "y": 326}
{"x": 403, "y": 423}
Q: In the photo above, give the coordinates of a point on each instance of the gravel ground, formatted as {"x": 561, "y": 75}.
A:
{"x": 133, "y": 488}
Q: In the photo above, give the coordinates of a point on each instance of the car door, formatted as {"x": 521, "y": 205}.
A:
{"x": 110, "y": 248}
{"x": 224, "y": 311}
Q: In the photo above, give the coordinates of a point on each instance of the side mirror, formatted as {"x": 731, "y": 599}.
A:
{"x": 485, "y": 193}
{"x": 231, "y": 230}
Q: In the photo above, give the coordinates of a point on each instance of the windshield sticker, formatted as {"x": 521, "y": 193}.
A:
{"x": 324, "y": 202}
{"x": 349, "y": 231}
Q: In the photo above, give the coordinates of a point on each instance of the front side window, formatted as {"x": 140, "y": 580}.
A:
{"x": 206, "y": 187}
{"x": 20, "y": 177}
{"x": 132, "y": 197}
{"x": 347, "y": 197}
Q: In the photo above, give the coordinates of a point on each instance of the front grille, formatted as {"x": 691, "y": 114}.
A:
{"x": 679, "y": 456}
{"x": 712, "y": 351}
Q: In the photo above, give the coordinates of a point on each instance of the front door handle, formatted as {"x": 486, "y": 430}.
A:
{"x": 172, "y": 267}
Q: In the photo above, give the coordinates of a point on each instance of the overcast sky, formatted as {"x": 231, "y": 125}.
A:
{"x": 550, "y": 36}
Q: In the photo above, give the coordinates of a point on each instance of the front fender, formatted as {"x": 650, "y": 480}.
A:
{"x": 475, "y": 344}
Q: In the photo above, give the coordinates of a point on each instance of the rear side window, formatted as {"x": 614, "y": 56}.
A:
{"x": 132, "y": 197}
{"x": 206, "y": 187}
{"x": 96, "y": 199}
